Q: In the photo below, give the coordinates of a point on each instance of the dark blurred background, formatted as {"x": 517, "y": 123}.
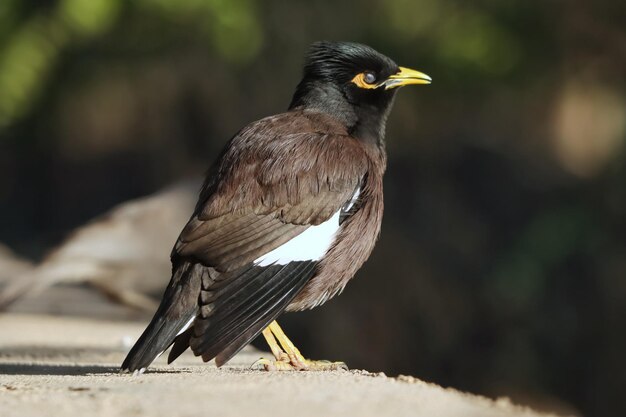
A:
{"x": 502, "y": 264}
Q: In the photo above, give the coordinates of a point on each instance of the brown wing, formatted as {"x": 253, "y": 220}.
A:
{"x": 272, "y": 185}
{"x": 275, "y": 179}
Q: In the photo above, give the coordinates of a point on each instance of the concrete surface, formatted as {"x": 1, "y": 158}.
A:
{"x": 57, "y": 366}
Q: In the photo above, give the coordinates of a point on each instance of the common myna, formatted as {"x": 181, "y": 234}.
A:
{"x": 288, "y": 213}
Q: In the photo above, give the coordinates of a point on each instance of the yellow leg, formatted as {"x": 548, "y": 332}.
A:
{"x": 271, "y": 341}
{"x": 292, "y": 351}
{"x": 287, "y": 355}
{"x": 281, "y": 363}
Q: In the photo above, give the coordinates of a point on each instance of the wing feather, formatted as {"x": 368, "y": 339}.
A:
{"x": 275, "y": 179}
{"x": 257, "y": 306}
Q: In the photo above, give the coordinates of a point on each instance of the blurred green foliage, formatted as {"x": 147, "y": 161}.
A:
{"x": 31, "y": 45}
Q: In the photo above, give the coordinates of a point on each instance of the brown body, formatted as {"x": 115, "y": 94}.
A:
{"x": 279, "y": 184}
{"x": 356, "y": 238}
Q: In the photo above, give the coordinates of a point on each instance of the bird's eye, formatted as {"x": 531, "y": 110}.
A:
{"x": 365, "y": 79}
{"x": 369, "y": 77}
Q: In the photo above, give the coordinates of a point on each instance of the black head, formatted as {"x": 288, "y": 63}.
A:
{"x": 353, "y": 83}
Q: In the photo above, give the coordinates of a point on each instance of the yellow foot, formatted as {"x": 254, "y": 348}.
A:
{"x": 306, "y": 365}
{"x": 290, "y": 359}
{"x": 269, "y": 365}
{"x": 324, "y": 365}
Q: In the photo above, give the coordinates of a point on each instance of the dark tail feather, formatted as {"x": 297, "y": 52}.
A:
{"x": 181, "y": 344}
{"x": 179, "y": 305}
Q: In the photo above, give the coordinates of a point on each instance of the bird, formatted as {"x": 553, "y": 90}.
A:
{"x": 288, "y": 213}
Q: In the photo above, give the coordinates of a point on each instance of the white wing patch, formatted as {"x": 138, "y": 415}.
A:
{"x": 353, "y": 200}
{"x": 309, "y": 245}
{"x": 186, "y": 326}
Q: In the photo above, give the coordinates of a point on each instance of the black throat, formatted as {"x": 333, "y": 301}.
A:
{"x": 364, "y": 120}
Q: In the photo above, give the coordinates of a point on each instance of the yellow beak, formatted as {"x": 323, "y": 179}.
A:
{"x": 406, "y": 76}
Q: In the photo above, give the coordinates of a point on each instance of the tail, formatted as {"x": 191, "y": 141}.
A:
{"x": 178, "y": 308}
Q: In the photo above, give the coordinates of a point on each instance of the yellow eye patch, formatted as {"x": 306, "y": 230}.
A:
{"x": 361, "y": 80}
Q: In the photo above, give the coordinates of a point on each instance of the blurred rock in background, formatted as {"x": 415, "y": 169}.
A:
{"x": 11, "y": 265}
{"x": 124, "y": 254}
{"x": 502, "y": 263}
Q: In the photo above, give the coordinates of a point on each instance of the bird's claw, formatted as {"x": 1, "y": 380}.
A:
{"x": 298, "y": 365}
{"x": 269, "y": 365}
{"x": 326, "y": 366}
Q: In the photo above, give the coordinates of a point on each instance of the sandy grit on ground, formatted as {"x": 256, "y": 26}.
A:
{"x": 69, "y": 367}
